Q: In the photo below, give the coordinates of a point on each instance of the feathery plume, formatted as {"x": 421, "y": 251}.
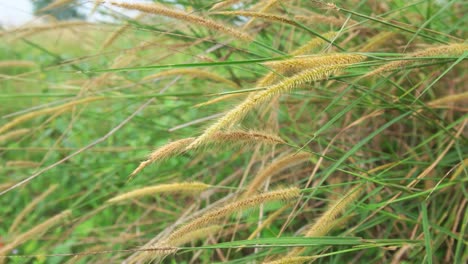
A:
{"x": 233, "y": 207}
{"x": 14, "y": 134}
{"x": 447, "y": 99}
{"x": 180, "y": 187}
{"x": 241, "y": 110}
{"x": 271, "y": 17}
{"x": 264, "y": 7}
{"x": 314, "y": 43}
{"x": 183, "y": 16}
{"x": 291, "y": 260}
{"x": 323, "y": 19}
{"x": 295, "y": 65}
{"x": 452, "y": 49}
{"x": 211, "y": 217}
{"x": 233, "y": 137}
{"x": 196, "y": 234}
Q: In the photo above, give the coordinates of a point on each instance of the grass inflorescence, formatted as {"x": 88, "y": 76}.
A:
{"x": 261, "y": 131}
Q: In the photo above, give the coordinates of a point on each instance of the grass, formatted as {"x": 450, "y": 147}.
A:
{"x": 366, "y": 100}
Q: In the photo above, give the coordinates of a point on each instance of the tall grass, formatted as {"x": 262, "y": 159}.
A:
{"x": 260, "y": 132}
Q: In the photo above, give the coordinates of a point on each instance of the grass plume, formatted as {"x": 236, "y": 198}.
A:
{"x": 241, "y": 110}
{"x": 183, "y": 16}
{"x": 180, "y": 187}
{"x": 294, "y": 65}
{"x": 444, "y": 50}
{"x": 234, "y": 207}
{"x": 14, "y": 134}
{"x": 17, "y": 63}
{"x": 233, "y": 138}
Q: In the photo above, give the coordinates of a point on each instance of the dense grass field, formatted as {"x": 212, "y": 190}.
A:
{"x": 236, "y": 132}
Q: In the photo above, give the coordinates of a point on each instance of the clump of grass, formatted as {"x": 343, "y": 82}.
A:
{"x": 414, "y": 127}
{"x": 180, "y": 187}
